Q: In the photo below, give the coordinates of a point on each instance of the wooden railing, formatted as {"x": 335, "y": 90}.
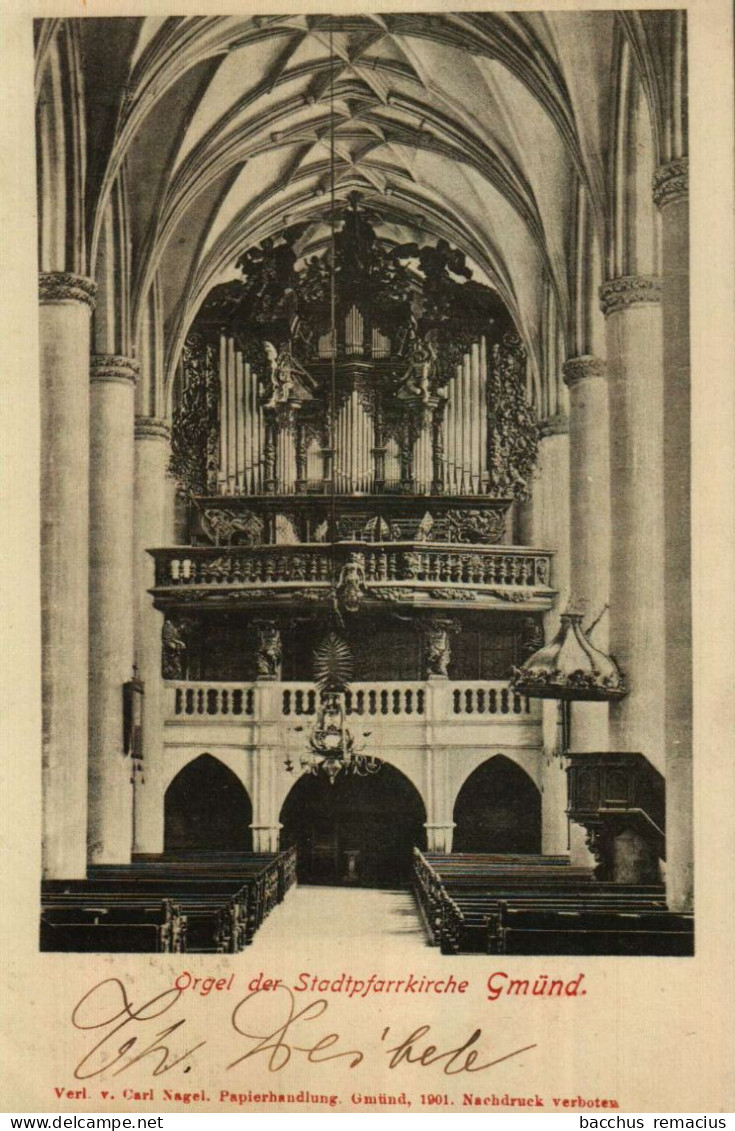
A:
{"x": 421, "y": 564}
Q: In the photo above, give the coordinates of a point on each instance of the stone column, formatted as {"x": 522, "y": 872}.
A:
{"x": 544, "y": 523}
{"x": 439, "y": 822}
{"x": 66, "y": 302}
{"x": 267, "y": 760}
{"x": 153, "y": 517}
{"x": 589, "y": 574}
{"x": 671, "y": 194}
{"x": 111, "y": 614}
{"x": 589, "y": 498}
{"x": 632, "y": 309}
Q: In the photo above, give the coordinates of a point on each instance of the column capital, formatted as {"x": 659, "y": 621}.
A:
{"x": 113, "y": 367}
{"x": 61, "y": 286}
{"x": 553, "y": 426}
{"x": 151, "y": 428}
{"x": 629, "y": 290}
{"x": 671, "y": 182}
{"x": 577, "y": 369}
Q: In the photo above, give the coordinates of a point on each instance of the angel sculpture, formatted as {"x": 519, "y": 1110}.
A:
{"x": 438, "y": 648}
{"x": 268, "y": 655}
{"x": 288, "y": 378}
{"x": 420, "y": 372}
{"x": 174, "y": 650}
{"x": 352, "y": 582}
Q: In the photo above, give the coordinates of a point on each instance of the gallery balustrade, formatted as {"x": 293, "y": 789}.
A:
{"x": 434, "y": 700}
{"x": 306, "y": 565}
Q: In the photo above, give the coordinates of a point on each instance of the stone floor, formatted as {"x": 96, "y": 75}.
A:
{"x": 359, "y": 918}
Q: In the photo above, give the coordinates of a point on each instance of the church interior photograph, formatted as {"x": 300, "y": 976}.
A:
{"x": 365, "y": 480}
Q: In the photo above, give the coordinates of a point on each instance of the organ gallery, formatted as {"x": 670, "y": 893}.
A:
{"x": 364, "y": 561}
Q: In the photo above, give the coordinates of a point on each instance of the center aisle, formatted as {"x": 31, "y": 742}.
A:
{"x": 363, "y": 917}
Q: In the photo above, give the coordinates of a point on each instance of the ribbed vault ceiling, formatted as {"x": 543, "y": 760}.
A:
{"x": 473, "y": 126}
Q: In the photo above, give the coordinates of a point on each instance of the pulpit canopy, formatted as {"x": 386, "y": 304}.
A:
{"x": 570, "y": 668}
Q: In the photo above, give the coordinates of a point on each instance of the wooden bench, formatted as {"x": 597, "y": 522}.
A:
{"x": 204, "y": 921}
{"x": 497, "y": 904}
{"x": 441, "y": 877}
{"x": 594, "y": 930}
{"x": 103, "y": 923}
{"x": 470, "y": 922}
{"x": 265, "y": 878}
{"x": 206, "y": 903}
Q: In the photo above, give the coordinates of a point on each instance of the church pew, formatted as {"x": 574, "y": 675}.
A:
{"x": 439, "y": 875}
{"x": 460, "y": 895}
{"x": 598, "y": 930}
{"x": 255, "y": 895}
{"x": 230, "y": 862}
{"x": 471, "y": 922}
{"x": 207, "y": 922}
{"x": 225, "y": 897}
{"x": 278, "y": 869}
{"x": 104, "y": 924}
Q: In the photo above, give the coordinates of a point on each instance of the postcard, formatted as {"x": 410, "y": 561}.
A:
{"x": 368, "y": 555}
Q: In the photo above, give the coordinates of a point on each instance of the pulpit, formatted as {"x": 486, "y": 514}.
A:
{"x": 618, "y": 798}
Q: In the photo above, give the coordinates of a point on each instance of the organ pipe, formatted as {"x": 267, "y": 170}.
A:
{"x": 251, "y": 426}
{"x": 261, "y": 446}
{"x": 465, "y": 425}
{"x": 239, "y": 425}
{"x": 484, "y": 471}
{"x": 242, "y": 432}
{"x": 286, "y": 459}
{"x": 222, "y": 476}
{"x": 231, "y": 418}
{"x": 466, "y": 454}
{"x": 476, "y": 418}
{"x": 247, "y": 446}
{"x": 457, "y": 465}
{"x": 354, "y": 447}
{"x": 352, "y": 440}
{"x": 314, "y": 460}
{"x": 462, "y": 431}
{"x": 354, "y": 332}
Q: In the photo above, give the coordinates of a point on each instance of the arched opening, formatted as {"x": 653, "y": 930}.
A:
{"x": 498, "y": 810}
{"x": 359, "y": 831}
{"x": 206, "y": 808}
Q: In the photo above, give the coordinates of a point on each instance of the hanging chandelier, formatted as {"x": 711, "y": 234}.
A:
{"x": 332, "y": 749}
{"x": 331, "y": 746}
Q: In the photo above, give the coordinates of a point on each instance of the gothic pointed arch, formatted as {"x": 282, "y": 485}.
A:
{"x": 359, "y": 830}
{"x": 498, "y": 809}
{"x": 207, "y": 808}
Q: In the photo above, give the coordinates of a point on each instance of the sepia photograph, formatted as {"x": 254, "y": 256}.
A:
{"x": 367, "y": 640}
{"x": 369, "y": 334}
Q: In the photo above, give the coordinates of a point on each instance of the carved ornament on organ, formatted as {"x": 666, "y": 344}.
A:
{"x": 421, "y": 391}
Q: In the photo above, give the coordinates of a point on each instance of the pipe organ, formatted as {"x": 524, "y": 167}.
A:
{"x": 465, "y": 461}
{"x": 354, "y": 444}
{"x": 241, "y": 424}
{"x": 447, "y": 443}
